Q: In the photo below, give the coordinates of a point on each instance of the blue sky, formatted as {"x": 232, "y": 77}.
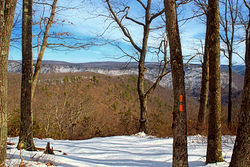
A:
{"x": 87, "y": 25}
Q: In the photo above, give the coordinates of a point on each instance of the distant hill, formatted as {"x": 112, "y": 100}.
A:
{"x": 192, "y": 73}
{"x": 78, "y": 101}
{"x": 240, "y": 69}
{"x": 61, "y": 66}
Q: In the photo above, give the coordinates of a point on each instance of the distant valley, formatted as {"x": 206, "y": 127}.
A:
{"x": 192, "y": 73}
{"x": 100, "y": 99}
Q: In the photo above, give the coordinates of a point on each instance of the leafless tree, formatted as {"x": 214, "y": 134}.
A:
{"x": 228, "y": 22}
{"x": 202, "y": 11}
{"x": 43, "y": 46}
{"x": 42, "y": 43}
{"x": 146, "y": 23}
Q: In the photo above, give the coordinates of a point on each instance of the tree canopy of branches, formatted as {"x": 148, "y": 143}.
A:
{"x": 142, "y": 50}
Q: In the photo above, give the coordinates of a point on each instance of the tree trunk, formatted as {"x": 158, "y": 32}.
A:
{"x": 3, "y": 90}
{"x": 204, "y": 90}
{"x": 142, "y": 71}
{"x": 214, "y": 148}
{"x": 141, "y": 94}
{"x": 229, "y": 113}
{"x": 180, "y": 155}
{"x": 6, "y": 21}
{"x": 143, "y": 115}
{"x": 26, "y": 127}
{"x": 241, "y": 153}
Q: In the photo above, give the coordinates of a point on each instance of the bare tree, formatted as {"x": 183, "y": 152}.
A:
{"x": 43, "y": 47}
{"x": 7, "y": 9}
{"x": 204, "y": 90}
{"x": 214, "y": 148}
{"x": 26, "y": 127}
{"x": 142, "y": 51}
{"x": 240, "y": 157}
{"x": 45, "y": 23}
{"x": 180, "y": 155}
{"x": 228, "y": 23}
{"x": 202, "y": 7}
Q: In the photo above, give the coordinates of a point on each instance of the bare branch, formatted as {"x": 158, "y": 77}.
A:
{"x": 75, "y": 46}
{"x": 192, "y": 17}
{"x": 142, "y": 4}
{"x": 124, "y": 52}
{"x": 42, "y": 3}
{"x": 190, "y": 60}
{"x": 156, "y": 83}
{"x": 135, "y": 21}
{"x": 156, "y": 15}
{"x": 239, "y": 56}
{"x": 224, "y": 52}
{"x": 247, "y": 5}
{"x": 124, "y": 30}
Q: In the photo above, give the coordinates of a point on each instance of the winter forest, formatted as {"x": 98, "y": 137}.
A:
{"x": 124, "y": 83}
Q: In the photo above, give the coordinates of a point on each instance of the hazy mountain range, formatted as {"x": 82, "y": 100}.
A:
{"x": 192, "y": 73}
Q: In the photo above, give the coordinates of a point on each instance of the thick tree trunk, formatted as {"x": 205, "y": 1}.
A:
{"x": 26, "y": 127}
{"x": 204, "y": 90}
{"x": 241, "y": 153}
{"x": 3, "y": 91}
{"x": 180, "y": 156}
{"x": 214, "y": 148}
{"x": 6, "y": 21}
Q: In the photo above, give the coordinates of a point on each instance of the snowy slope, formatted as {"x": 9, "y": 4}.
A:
{"x": 136, "y": 150}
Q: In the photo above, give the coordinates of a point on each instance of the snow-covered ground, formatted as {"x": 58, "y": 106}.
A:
{"x": 136, "y": 150}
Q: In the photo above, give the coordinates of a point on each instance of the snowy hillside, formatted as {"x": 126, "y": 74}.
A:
{"x": 136, "y": 150}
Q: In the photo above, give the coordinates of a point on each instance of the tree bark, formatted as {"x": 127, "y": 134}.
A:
{"x": 180, "y": 155}
{"x": 142, "y": 71}
{"x": 6, "y": 22}
{"x": 241, "y": 153}
{"x": 3, "y": 91}
{"x": 204, "y": 90}
{"x": 26, "y": 127}
{"x": 229, "y": 112}
{"x": 143, "y": 115}
{"x": 214, "y": 148}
